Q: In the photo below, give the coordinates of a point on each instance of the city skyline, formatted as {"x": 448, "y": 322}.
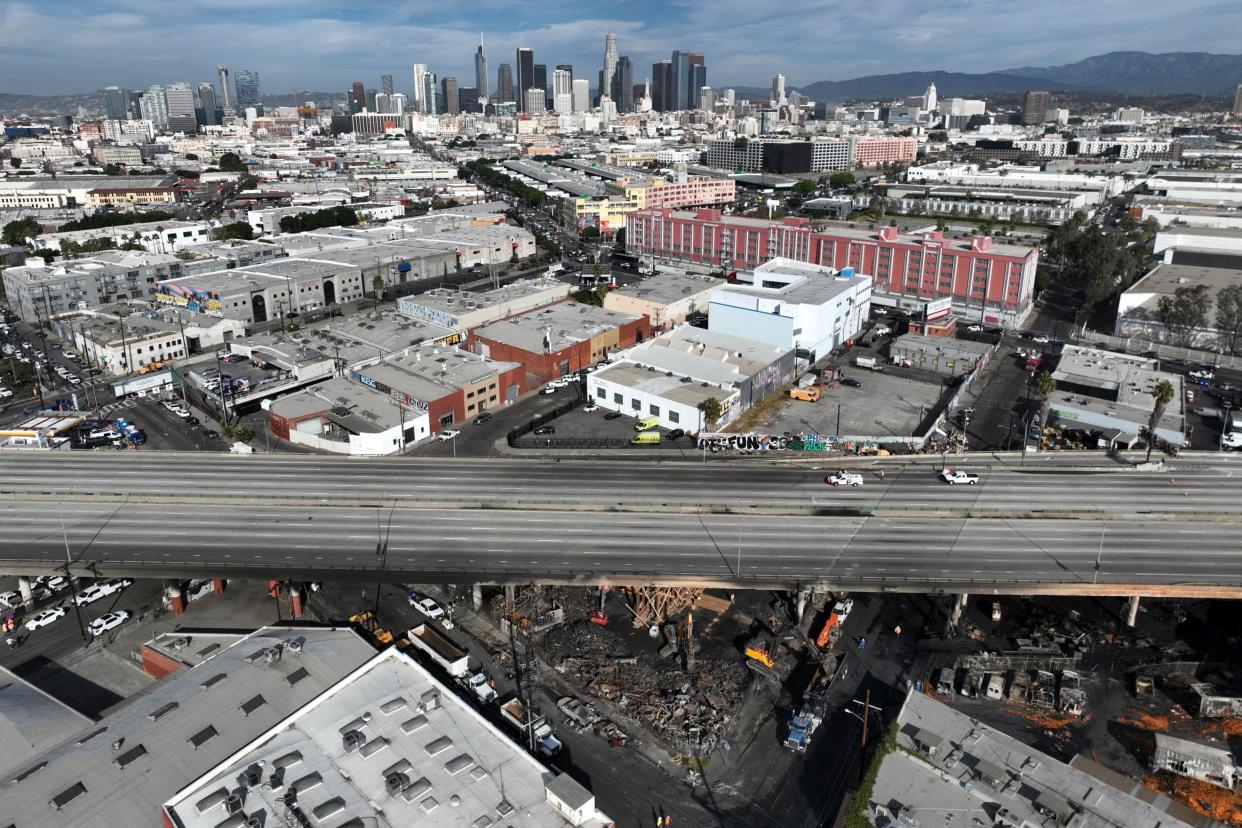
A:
{"x": 317, "y": 46}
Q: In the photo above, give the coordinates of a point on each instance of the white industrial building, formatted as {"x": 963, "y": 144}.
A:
{"x": 672, "y": 376}
{"x": 794, "y": 305}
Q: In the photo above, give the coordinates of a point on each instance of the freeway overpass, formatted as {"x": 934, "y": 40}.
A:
{"x": 1046, "y": 527}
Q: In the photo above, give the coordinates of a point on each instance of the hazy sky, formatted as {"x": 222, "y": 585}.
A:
{"x": 65, "y": 46}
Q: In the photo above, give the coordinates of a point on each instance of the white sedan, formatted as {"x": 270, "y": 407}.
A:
{"x": 428, "y": 607}
{"x": 844, "y": 478}
{"x": 107, "y": 621}
{"x": 587, "y": 409}
{"x": 954, "y": 477}
{"x": 446, "y": 435}
{"x": 1232, "y": 440}
{"x": 46, "y": 617}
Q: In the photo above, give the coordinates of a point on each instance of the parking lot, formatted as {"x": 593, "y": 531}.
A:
{"x": 891, "y": 402}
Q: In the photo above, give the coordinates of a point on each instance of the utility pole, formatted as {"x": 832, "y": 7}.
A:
{"x": 866, "y": 716}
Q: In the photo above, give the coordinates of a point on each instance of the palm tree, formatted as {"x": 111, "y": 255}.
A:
{"x": 712, "y": 410}
{"x": 1163, "y": 395}
{"x": 1044, "y": 385}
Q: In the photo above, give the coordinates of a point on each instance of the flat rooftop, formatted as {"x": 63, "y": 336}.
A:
{"x": 384, "y": 331}
{"x": 31, "y": 721}
{"x": 568, "y": 323}
{"x": 388, "y": 736}
{"x": 1165, "y": 279}
{"x": 705, "y": 355}
{"x": 974, "y": 768}
{"x": 575, "y": 185}
{"x": 260, "y": 276}
{"x": 667, "y": 288}
{"x": 430, "y": 372}
{"x": 179, "y": 728}
{"x": 1130, "y": 378}
{"x": 124, "y": 229}
{"x": 658, "y": 383}
{"x": 952, "y": 348}
{"x": 796, "y": 282}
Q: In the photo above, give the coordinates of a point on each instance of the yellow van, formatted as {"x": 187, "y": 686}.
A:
{"x": 646, "y": 438}
{"x": 647, "y": 423}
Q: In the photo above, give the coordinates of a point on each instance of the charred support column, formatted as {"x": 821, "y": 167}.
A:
{"x": 1132, "y": 614}
{"x": 295, "y": 602}
{"x": 176, "y": 601}
{"x": 23, "y": 586}
{"x": 803, "y": 597}
{"x": 959, "y": 604}
{"x": 476, "y": 597}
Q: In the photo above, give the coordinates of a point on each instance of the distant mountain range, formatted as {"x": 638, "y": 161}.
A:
{"x": 1129, "y": 73}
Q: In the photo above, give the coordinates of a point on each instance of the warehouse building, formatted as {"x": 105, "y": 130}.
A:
{"x": 673, "y": 375}
{"x": 939, "y": 354}
{"x": 559, "y": 340}
{"x": 265, "y": 291}
{"x": 666, "y": 299}
{"x": 1110, "y": 393}
{"x": 463, "y": 310}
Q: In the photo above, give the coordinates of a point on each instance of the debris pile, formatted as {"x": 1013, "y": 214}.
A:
{"x": 1206, "y": 799}
{"x": 688, "y": 710}
{"x": 655, "y": 605}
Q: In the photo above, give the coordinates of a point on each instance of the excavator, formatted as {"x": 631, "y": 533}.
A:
{"x": 369, "y": 624}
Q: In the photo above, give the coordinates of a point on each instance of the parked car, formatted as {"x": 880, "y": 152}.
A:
{"x": 1232, "y": 440}
{"x": 545, "y": 429}
{"x": 974, "y": 328}
{"x": 107, "y": 621}
{"x": 851, "y": 382}
{"x": 211, "y": 434}
{"x": 1040, "y": 338}
{"x": 446, "y": 435}
{"x": 590, "y": 408}
{"x": 844, "y": 478}
{"x": 483, "y": 418}
{"x": 550, "y": 389}
{"x": 12, "y": 600}
{"x": 953, "y": 477}
{"x": 114, "y": 585}
{"x": 612, "y": 415}
{"x": 90, "y": 595}
{"x": 675, "y": 434}
{"x": 46, "y": 617}
{"x": 56, "y": 583}
{"x": 428, "y": 607}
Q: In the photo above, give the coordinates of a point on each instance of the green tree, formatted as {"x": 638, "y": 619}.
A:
{"x": 712, "y": 409}
{"x": 1229, "y": 314}
{"x": 842, "y": 179}
{"x": 235, "y": 230}
{"x": 804, "y": 187}
{"x": 231, "y": 162}
{"x": 1044, "y": 385}
{"x": 113, "y": 169}
{"x": 619, "y": 238}
{"x": 1161, "y": 396}
{"x": 590, "y": 232}
{"x": 17, "y": 232}
{"x": 1185, "y": 312}
{"x": 377, "y": 283}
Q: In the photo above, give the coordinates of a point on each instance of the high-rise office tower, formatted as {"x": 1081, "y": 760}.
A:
{"x": 480, "y": 72}
{"x": 431, "y": 93}
{"x": 623, "y": 85}
{"x": 247, "y": 84}
{"x": 448, "y": 95}
{"x": 661, "y": 80}
{"x": 357, "y": 98}
{"x": 582, "y": 95}
{"x": 179, "y": 98}
{"x": 373, "y": 101}
{"x": 778, "y": 90}
{"x": 562, "y": 91}
{"x": 681, "y": 80}
{"x": 1035, "y": 108}
{"x": 383, "y": 103}
{"x": 154, "y": 107}
{"x": 504, "y": 84}
{"x": 698, "y": 79}
{"x": 207, "y": 105}
{"x": 541, "y": 81}
{"x": 608, "y": 73}
{"x": 1237, "y": 102}
{"x": 525, "y": 74}
{"x": 398, "y": 103}
{"x": 417, "y": 85}
{"x": 707, "y": 99}
{"x": 567, "y": 67}
{"x": 730, "y": 97}
{"x": 226, "y": 90}
{"x": 115, "y": 103}
{"x": 386, "y": 84}
{"x": 534, "y": 102}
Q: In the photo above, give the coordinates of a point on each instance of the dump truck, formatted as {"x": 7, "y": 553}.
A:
{"x": 811, "y": 394}
{"x": 515, "y": 713}
{"x": 814, "y": 707}
{"x": 442, "y": 651}
{"x": 479, "y": 685}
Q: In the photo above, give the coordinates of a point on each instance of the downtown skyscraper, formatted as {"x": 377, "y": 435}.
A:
{"x": 480, "y": 73}
{"x": 247, "y": 85}
{"x": 525, "y": 75}
{"x": 504, "y": 84}
{"x": 607, "y": 75}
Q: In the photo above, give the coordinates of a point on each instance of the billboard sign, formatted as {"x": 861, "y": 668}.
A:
{"x": 937, "y": 309}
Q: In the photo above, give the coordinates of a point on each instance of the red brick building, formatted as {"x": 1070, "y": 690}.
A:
{"x": 987, "y": 281}
{"x": 559, "y": 340}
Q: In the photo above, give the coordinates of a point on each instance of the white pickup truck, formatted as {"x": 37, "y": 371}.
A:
{"x": 953, "y": 477}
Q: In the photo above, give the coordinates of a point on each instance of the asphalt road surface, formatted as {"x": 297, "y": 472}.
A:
{"x": 918, "y": 546}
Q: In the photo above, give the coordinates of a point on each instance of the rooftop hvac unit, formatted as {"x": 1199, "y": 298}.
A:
{"x": 396, "y": 783}
{"x": 254, "y": 821}
{"x": 249, "y": 778}
{"x": 233, "y": 804}
{"x": 180, "y": 643}
{"x": 353, "y": 740}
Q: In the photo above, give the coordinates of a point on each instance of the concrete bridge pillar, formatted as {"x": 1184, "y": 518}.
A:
{"x": 803, "y": 597}
{"x": 476, "y": 597}
{"x": 1132, "y": 613}
{"x": 176, "y": 601}
{"x": 959, "y": 604}
{"x": 510, "y": 597}
{"x": 23, "y": 586}
{"x": 295, "y": 602}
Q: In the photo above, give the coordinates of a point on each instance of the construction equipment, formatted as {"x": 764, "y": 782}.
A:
{"x": 832, "y": 627}
{"x": 814, "y": 706}
{"x": 765, "y": 655}
{"x": 369, "y": 624}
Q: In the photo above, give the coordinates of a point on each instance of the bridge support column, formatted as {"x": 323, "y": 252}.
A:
{"x": 959, "y": 604}
{"x": 23, "y": 586}
{"x": 476, "y": 597}
{"x": 176, "y": 601}
{"x": 510, "y": 597}
{"x": 1132, "y": 613}
{"x": 295, "y": 602}
{"x": 217, "y": 586}
{"x": 803, "y": 596}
